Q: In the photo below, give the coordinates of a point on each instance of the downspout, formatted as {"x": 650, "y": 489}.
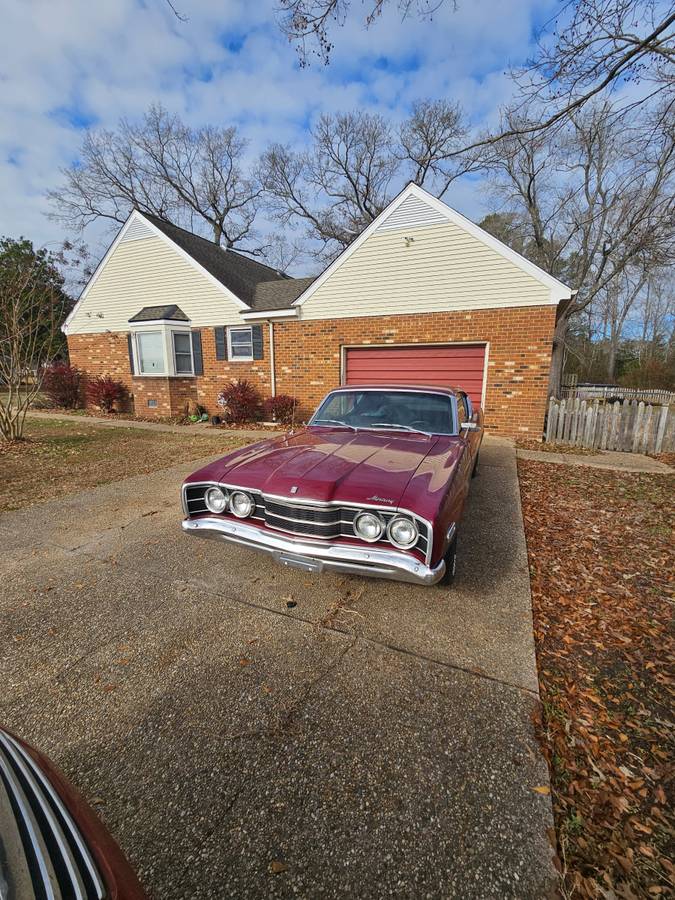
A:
{"x": 273, "y": 380}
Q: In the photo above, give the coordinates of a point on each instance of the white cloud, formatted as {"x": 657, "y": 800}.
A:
{"x": 66, "y": 62}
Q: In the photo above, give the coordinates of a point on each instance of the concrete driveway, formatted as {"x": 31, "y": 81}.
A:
{"x": 373, "y": 740}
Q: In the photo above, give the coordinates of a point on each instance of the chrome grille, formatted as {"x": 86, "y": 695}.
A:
{"x": 55, "y": 856}
{"x": 325, "y": 522}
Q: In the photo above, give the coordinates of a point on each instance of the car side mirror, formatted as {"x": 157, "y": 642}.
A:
{"x": 470, "y": 426}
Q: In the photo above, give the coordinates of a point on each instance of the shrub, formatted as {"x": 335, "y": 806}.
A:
{"x": 104, "y": 392}
{"x": 63, "y": 385}
{"x": 239, "y": 401}
{"x": 281, "y": 408}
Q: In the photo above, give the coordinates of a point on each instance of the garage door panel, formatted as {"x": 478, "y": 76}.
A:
{"x": 439, "y": 365}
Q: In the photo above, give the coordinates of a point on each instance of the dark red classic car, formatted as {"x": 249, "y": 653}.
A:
{"x": 51, "y": 843}
{"x": 375, "y": 484}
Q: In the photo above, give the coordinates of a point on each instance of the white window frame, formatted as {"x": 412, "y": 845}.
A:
{"x": 174, "y": 332}
{"x": 230, "y": 355}
{"x": 167, "y": 331}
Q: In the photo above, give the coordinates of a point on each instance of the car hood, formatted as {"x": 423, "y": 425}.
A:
{"x": 329, "y": 464}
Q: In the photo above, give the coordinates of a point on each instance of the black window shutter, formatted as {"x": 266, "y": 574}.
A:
{"x": 197, "y": 352}
{"x": 130, "y": 347}
{"x": 257, "y": 341}
{"x": 221, "y": 343}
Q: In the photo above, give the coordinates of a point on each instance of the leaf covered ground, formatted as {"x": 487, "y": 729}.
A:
{"x": 602, "y": 564}
{"x": 61, "y": 457}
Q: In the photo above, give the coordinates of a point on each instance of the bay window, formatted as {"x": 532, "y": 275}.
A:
{"x": 182, "y": 353}
{"x": 162, "y": 349}
{"x": 150, "y": 353}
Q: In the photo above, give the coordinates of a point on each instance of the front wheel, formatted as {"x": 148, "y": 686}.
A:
{"x": 450, "y": 564}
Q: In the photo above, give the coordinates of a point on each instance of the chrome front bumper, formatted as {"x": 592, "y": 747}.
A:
{"x": 317, "y": 556}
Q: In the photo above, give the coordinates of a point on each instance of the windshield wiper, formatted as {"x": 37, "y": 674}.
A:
{"x": 333, "y": 422}
{"x": 400, "y": 427}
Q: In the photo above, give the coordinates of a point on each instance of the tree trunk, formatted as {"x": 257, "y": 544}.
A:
{"x": 557, "y": 357}
{"x": 611, "y": 360}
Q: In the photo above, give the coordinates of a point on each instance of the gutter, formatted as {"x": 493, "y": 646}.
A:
{"x": 270, "y": 314}
{"x": 273, "y": 379}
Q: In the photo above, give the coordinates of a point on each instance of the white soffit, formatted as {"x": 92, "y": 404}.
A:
{"x": 412, "y": 212}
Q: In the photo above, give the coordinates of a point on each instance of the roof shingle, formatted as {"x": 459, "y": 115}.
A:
{"x": 270, "y": 295}
{"x": 171, "y": 312}
{"x": 239, "y": 273}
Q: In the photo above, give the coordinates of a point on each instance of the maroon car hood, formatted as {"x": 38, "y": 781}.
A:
{"x": 328, "y": 464}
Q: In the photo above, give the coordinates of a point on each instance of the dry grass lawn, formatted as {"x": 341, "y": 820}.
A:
{"x": 64, "y": 457}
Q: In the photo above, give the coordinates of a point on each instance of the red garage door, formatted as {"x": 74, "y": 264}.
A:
{"x": 446, "y": 366}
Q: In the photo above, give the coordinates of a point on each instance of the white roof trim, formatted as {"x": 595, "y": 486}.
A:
{"x": 287, "y": 313}
{"x": 136, "y": 216}
{"x": 170, "y": 323}
{"x": 559, "y": 291}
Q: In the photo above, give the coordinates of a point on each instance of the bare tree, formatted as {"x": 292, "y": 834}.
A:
{"x": 619, "y": 299}
{"x": 586, "y": 50}
{"x": 308, "y": 23}
{"x": 193, "y": 177}
{"x": 597, "y": 202}
{"x": 596, "y": 45}
{"x": 354, "y": 165}
{"x": 32, "y": 307}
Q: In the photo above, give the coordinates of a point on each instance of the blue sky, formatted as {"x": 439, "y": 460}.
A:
{"x": 66, "y": 65}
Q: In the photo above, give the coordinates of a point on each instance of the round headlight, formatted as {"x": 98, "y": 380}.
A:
{"x": 402, "y": 532}
{"x": 368, "y": 526}
{"x": 241, "y": 504}
{"x": 216, "y": 500}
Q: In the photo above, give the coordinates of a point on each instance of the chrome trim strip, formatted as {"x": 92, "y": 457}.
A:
{"x": 72, "y": 827}
{"x": 349, "y": 558}
{"x": 268, "y": 512}
{"x": 37, "y": 843}
{"x": 64, "y": 848}
{"x": 317, "y": 504}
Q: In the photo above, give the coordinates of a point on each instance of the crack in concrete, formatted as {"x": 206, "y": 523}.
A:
{"x": 373, "y": 642}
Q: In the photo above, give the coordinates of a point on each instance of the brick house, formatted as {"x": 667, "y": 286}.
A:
{"x": 422, "y": 296}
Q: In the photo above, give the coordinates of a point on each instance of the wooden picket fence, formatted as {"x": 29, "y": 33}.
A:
{"x": 629, "y": 426}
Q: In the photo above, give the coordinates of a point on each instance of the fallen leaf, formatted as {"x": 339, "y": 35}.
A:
{"x": 542, "y": 789}
{"x": 277, "y": 867}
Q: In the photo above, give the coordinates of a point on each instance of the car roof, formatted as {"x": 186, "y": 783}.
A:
{"x": 420, "y": 388}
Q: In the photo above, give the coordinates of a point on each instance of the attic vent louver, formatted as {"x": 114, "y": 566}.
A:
{"x": 411, "y": 212}
{"x": 136, "y": 231}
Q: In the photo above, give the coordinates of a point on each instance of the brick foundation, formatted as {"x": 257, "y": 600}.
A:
{"x": 308, "y": 361}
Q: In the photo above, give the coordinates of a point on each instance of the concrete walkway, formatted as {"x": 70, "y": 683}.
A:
{"x": 200, "y": 428}
{"x": 604, "y": 459}
{"x": 373, "y": 738}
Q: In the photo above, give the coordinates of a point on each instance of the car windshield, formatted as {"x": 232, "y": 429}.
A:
{"x": 387, "y": 409}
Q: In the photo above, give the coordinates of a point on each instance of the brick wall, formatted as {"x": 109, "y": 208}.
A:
{"x": 107, "y": 354}
{"x": 308, "y": 361}
{"x": 308, "y": 356}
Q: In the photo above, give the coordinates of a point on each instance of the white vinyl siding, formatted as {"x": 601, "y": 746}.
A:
{"x": 443, "y": 268}
{"x": 150, "y": 272}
